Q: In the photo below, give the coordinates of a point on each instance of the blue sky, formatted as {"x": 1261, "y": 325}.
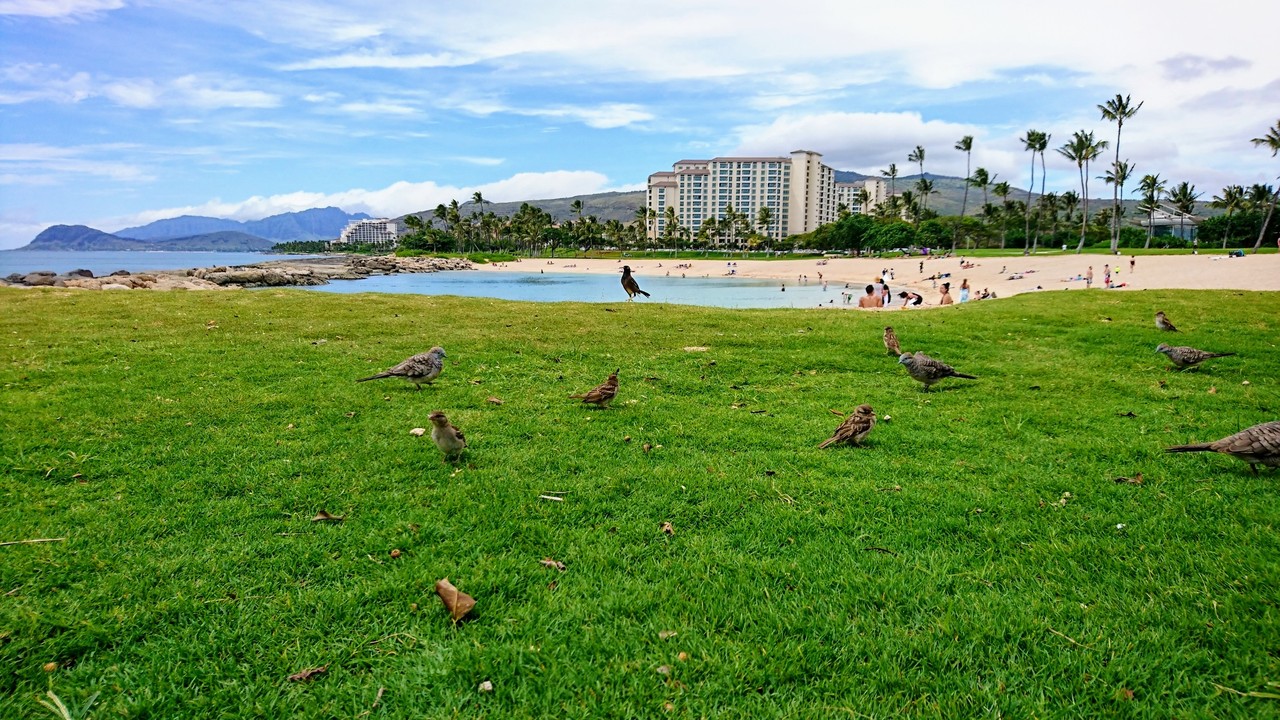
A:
{"x": 119, "y": 112}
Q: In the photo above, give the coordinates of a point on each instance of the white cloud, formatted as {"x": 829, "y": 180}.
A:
{"x": 396, "y": 199}
{"x": 43, "y": 162}
{"x": 209, "y": 94}
{"x": 368, "y": 59}
{"x": 484, "y": 161}
{"x": 57, "y": 8}
{"x": 378, "y": 108}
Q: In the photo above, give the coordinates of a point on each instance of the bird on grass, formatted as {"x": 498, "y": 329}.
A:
{"x": 630, "y": 285}
{"x": 891, "y": 341}
{"x": 1163, "y": 323}
{"x": 421, "y": 368}
{"x": 448, "y": 438}
{"x": 601, "y": 394}
{"x": 855, "y": 428}
{"x": 1184, "y": 357}
{"x": 1258, "y": 445}
{"x": 927, "y": 370}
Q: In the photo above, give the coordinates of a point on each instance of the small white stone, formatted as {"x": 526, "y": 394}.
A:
{"x": 486, "y": 687}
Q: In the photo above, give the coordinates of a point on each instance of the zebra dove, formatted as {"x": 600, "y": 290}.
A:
{"x": 601, "y": 394}
{"x": 1184, "y": 357}
{"x": 855, "y": 427}
{"x": 1258, "y": 445}
{"x": 448, "y": 438}
{"x": 421, "y": 368}
{"x": 630, "y": 285}
{"x": 927, "y": 370}
{"x": 891, "y": 341}
{"x": 1163, "y": 323}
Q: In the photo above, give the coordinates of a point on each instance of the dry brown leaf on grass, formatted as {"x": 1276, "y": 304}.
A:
{"x": 455, "y": 601}
{"x": 309, "y": 673}
{"x": 418, "y": 432}
{"x": 548, "y": 562}
{"x": 668, "y": 528}
{"x": 664, "y": 634}
{"x": 325, "y": 516}
{"x": 1135, "y": 480}
{"x": 494, "y": 400}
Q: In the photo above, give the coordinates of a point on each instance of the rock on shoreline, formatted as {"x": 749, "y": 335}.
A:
{"x": 274, "y": 273}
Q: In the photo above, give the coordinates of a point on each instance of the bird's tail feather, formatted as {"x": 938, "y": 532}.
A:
{"x": 1214, "y": 355}
{"x": 379, "y": 376}
{"x": 1198, "y": 447}
{"x": 643, "y": 292}
{"x": 966, "y": 377}
{"x": 826, "y": 443}
{"x": 577, "y": 397}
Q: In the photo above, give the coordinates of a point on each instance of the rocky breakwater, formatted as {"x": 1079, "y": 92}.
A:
{"x": 274, "y": 273}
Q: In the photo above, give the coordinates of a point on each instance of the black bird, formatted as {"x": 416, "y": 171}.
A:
{"x": 630, "y": 285}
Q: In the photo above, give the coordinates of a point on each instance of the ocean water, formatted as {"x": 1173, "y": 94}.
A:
{"x": 564, "y": 287}
{"x": 105, "y": 262}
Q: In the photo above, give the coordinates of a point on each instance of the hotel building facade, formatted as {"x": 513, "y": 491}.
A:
{"x": 799, "y": 190}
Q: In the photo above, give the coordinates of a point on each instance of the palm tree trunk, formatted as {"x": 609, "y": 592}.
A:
{"x": 1084, "y": 216}
{"x": 1266, "y": 221}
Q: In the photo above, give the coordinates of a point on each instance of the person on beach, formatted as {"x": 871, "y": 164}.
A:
{"x": 1132, "y": 261}
{"x": 964, "y": 290}
{"x": 946, "y": 295}
{"x": 1088, "y": 278}
{"x": 886, "y": 297}
{"x": 910, "y": 299}
{"x": 1106, "y": 276}
{"x": 870, "y": 300}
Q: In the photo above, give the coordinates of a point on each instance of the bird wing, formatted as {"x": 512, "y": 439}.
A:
{"x": 1259, "y": 440}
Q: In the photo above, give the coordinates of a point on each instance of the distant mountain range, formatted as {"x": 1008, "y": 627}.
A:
{"x": 196, "y": 233}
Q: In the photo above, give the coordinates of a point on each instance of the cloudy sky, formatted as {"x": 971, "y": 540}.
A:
{"x": 119, "y": 112}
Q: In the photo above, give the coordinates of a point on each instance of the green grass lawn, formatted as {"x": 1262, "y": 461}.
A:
{"x": 976, "y": 558}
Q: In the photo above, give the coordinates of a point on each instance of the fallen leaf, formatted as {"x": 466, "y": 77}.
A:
{"x": 1125, "y": 694}
{"x": 668, "y": 706}
{"x": 485, "y": 687}
{"x": 835, "y": 412}
{"x": 1127, "y": 414}
{"x": 626, "y": 438}
{"x": 668, "y": 528}
{"x": 455, "y": 601}
{"x": 548, "y": 562}
{"x": 325, "y": 516}
{"x": 1246, "y": 382}
{"x": 647, "y": 447}
{"x": 395, "y": 553}
{"x": 418, "y": 432}
{"x": 493, "y": 400}
{"x": 895, "y": 488}
{"x": 551, "y": 497}
{"x": 289, "y": 426}
{"x": 696, "y": 348}
{"x": 50, "y": 666}
{"x": 1213, "y": 390}
{"x": 664, "y": 670}
{"x": 664, "y": 634}
{"x": 350, "y": 414}
{"x": 1135, "y": 480}
{"x": 682, "y": 657}
{"x": 309, "y": 673}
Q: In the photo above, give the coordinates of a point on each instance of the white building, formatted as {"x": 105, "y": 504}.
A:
{"x": 799, "y": 192}
{"x": 850, "y": 194}
{"x": 376, "y": 232}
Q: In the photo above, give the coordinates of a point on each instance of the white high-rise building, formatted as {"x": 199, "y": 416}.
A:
{"x": 377, "y": 232}
{"x": 849, "y": 194}
{"x": 799, "y": 192}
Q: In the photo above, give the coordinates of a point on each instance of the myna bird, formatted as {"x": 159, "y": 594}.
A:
{"x": 1162, "y": 322}
{"x": 447, "y": 437}
{"x": 601, "y": 394}
{"x": 630, "y": 285}
{"x": 1258, "y": 445}
{"x": 421, "y": 368}
{"x": 1184, "y": 357}
{"x": 927, "y": 370}
{"x": 854, "y": 428}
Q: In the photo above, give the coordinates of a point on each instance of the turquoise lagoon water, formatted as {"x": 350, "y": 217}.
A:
{"x": 105, "y": 262}
{"x": 563, "y": 287}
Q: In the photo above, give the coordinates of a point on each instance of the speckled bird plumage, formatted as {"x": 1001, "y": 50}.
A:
{"x": 1162, "y": 322}
{"x": 1184, "y": 357}
{"x": 891, "y": 341}
{"x": 855, "y": 428}
{"x": 421, "y": 368}
{"x": 448, "y": 438}
{"x": 1257, "y": 445}
{"x": 927, "y": 370}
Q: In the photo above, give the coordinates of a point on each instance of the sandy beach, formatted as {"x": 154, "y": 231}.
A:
{"x": 1004, "y": 276}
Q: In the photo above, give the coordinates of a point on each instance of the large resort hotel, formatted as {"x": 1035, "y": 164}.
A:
{"x": 800, "y": 192}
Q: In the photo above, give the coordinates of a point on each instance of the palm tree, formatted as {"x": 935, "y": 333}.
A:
{"x": 1032, "y": 142}
{"x": 925, "y": 188}
{"x": 1152, "y": 188}
{"x": 864, "y": 197}
{"x": 1083, "y": 149}
{"x": 1272, "y": 141}
{"x": 671, "y": 228}
{"x": 1116, "y": 177}
{"x": 1231, "y": 199}
{"x": 1261, "y": 196}
{"x": 892, "y": 174}
{"x": 1050, "y": 204}
{"x": 980, "y": 179}
{"x": 1041, "y": 146}
{"x": 917, "y": 155}
{"x": 764, "y": 221}
{"x": 1184, "y": 197}
{"x": 965, "y": 145}
{"x": 1117, "y": 110}
{"x": 1070, "y": 201}
{"x": 1001, "y": 190}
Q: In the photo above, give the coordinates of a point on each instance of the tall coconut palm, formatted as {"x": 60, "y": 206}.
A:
{"x": 864, "y": 197}
{"x": 1116, "y": 176}
{"x": 917, "y": 156}
{"x": 1070, "y": 201}
{"x": 1184, "y": 198}
{"x": 1001, "y": 190}
{"x": 981, "y": 179}
{"x": 1152, "y": 189}
{"x": 1263, "y": 196}
{"x": 892, "y": 174}
{"x": 1050, "y": 203}
{"x": 1042, "y": 144}
{"x": 1082, "y": 149}
{"x": 1117, "y": 110}
{"x": 964, "y": 145}
{"x": 1231, "y": 199}
{"x": 1035, "y": 141}
{"x": 764, "y": 221}
{"x": 1272, "y": 142}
